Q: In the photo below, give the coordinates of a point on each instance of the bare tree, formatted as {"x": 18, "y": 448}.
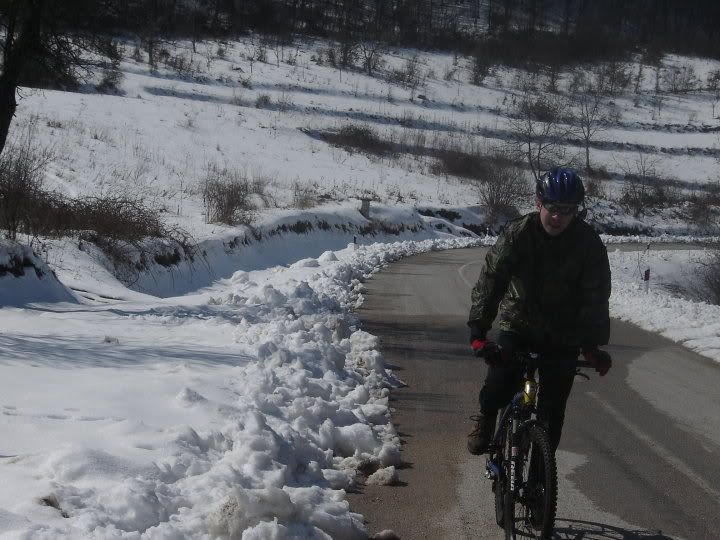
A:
{"x": 371, "y": 51}
{"x": 589, "y": 117}
{"x": 43, "y": 44}
{"x": 640, "y": 188}
{"x": 539, "y": 132}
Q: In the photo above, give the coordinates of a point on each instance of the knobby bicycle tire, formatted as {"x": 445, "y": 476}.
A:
{"x": 539, "y": 478}
{"x": 499, "y": 484}
{"x": 533, "y": 515}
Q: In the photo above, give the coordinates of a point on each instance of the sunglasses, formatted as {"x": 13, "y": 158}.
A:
{"x": 562, "y": 209}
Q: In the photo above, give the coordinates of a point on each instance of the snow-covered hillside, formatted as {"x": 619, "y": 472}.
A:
{"x": 222, "y": 107}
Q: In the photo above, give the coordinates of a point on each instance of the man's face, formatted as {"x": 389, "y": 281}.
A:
{"x": 555, "y": 218}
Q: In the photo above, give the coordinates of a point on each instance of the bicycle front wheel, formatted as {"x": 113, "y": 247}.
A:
{"x": 535, "y": 508}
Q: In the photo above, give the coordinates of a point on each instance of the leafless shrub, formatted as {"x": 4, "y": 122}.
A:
{"x": 137, "y": 55}
{"x": 260, "y": 52}
{"x": 227, "y": 196}
{"x": 481, "y": 66}
{"x": 595, "y": 183}
{"x": 409, "y": 75}
{"x": 124, "y": 227}
{"x": 181, "y": 64}
{"x": 357, "y": 137}
{"x": 702, "y": 205}
{"x": 578, "y": 81}
{"x": 642, "y": 189}
{"x": 304, "y": 196}
{"x": 679, "y": 79}
{"x": 344, "y": 55}
{"x": 611, "y": 78}
{"x": 502, "y": 191}
{"x": 707, "y": 283}
{"x": 457, "y": 162}
{"x": 449, "y": 72}
{"x": 712, "y": 82}
{"x": 117, "y": 217}
{"x": 111, "y": 78}
{"x": 285, "y": 102}
{"x": 22, "y": 173}
{"x": 263, "y": 101}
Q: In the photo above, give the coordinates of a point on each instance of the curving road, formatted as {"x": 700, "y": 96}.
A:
{"x": 640, "y": 455}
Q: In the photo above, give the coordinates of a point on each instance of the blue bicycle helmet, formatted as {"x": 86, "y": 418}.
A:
{"x": 560, "y": 186}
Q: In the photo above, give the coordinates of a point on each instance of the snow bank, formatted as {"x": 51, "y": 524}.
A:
{"x": 695, "y": 325}
{"x": 161, "y": 434}
{"x": 26, "y": 279}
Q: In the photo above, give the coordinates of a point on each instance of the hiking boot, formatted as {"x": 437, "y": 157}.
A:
{"x": 479, "y": 439}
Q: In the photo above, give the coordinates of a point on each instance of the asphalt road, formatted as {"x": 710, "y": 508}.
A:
{"x": 640, "y": 455}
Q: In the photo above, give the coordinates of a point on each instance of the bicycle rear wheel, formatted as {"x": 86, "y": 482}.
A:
{"x": 535, "y": 508}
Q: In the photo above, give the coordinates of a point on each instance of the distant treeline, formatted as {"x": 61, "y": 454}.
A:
{"x": 682, "y": 26}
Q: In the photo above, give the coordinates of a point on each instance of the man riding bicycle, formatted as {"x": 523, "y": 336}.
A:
{"x": 549, "y": 275}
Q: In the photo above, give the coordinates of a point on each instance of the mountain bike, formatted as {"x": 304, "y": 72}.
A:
{"x": 521, "y": 462}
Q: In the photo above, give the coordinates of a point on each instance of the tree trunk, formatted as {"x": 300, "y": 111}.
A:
{"x": 587, "y": 156}
{"x": 8, "y": 104}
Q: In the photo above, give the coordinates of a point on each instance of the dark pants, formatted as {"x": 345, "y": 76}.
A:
{"x": 557, "y": 373}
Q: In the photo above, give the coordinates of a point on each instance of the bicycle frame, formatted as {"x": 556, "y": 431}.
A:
{"x": 519, "y": 412}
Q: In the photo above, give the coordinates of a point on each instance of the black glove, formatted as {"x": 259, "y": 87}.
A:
{"x": 600, "y": 360}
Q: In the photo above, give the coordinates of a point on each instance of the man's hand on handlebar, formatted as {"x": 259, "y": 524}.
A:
{"x": 600, "y": 360}
{"x": 489, "y": 350}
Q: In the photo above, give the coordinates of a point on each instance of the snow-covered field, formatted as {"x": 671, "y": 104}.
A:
{"x": 238, "y": 397}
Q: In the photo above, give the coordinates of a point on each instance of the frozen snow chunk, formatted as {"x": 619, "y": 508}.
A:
{"x": 390, "y": 454}
{"x": 303, "y": 306}
{"x": 305, "y": 263}
{"x": 374, "y": 413}
{"x": 359, "y": 395}
{"x": 188, "y": 398}
{"x": 328, "y": 256}
{"x": 247, "y": 508}
{"x": 384, "y": 477}
{"x": 302, "y": 290}
{"x": 386, "y": 534}
{"x": 267, "y": 530}
{"x": 363, "y": 340}
{"x": 112, "y": 340}
{"x": 339, "y": 479}
{"x": 356, "y": 437}
{"x": 133, "y": 505}
{"x": 272, "y": 297}
{"x": 373, "y": 360}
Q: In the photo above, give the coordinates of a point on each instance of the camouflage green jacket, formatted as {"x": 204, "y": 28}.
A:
{"x": 552, "y": 290}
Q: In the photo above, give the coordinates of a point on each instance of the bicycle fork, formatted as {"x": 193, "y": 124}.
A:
{"x": 492, "y": 468}
{"x": 513, "y": 455}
